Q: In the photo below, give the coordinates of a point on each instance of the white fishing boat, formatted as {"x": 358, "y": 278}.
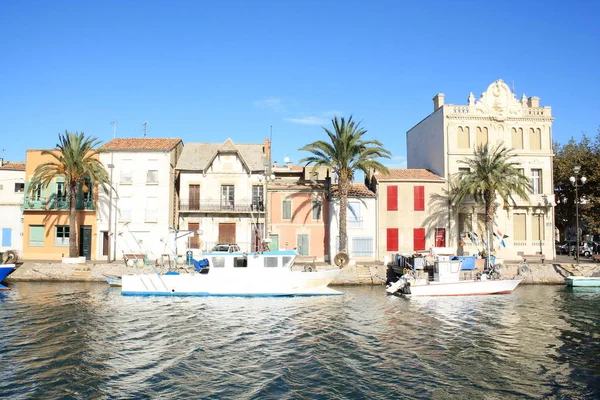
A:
{"x": 266, "y": 273}
{"x": 446, "y": 282}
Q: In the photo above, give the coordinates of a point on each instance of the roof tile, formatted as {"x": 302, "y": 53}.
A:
{"x": 408, "y": 175}
{"x": 357, "y": 189}
{"x": 141, "y": 144}
{"x": 12, "y": 165}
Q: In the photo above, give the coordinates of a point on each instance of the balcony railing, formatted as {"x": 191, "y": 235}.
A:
{"x": 221, "y": 206}
{"x": 54, "y": 203}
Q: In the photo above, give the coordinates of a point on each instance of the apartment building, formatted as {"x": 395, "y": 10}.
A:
{"x": 12, "y": 188}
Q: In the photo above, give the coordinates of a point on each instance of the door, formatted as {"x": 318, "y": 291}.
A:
{"x": 194, "y": 238}
{"x": 227, "y": 233}
{"x": 274, "y": 245}
{"x": 440, "y": 237}
{"x": 105, "y": 243}
{"x": 85, "y": 241}
{"x": 257, "y": 235}
{"x": 194, "y": 198}
{"x": 303, "y": 245}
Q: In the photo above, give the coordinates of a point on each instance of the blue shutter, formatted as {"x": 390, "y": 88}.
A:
{"x": 6, "y": 236}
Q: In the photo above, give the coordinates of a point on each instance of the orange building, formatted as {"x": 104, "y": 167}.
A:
{"x": 298, "y": 203}
{"x": 46, "y": 217}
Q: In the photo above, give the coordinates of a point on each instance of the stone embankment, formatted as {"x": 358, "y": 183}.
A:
{"x": 359, "y": 274}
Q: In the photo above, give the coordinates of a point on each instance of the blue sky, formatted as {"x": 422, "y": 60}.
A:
{"x": 204, "y": 71}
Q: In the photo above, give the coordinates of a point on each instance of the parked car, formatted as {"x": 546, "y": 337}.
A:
{"x": 229, "y": 248}
{"x": 565, "y": 247}
{"x": 588, "y": 248}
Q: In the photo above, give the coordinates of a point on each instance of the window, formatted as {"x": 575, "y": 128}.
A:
{"x": 464, "y": 141}
{"x": 519, "y": 227}
{"x": 465, "y": 224}
{"x": 270, "y": 262}
{"x": 537, "y": 227}
{"x": 392, "y": 198}
{"x": 317, "y": 204}
{"x": 303, "y": 245}
{"x": 152, "y": 174}
{"x": 151, "y": 209}
{"x": 36, "y": 194}
{"x": 61, "y": 237}
{"x": 392, "y": 239}
{"x": 362, "y": 246}
{"x": 36, "y": 235}
{"x": 517, "y": 138}
{"x": 240, "y": 262}
{"x": 194, "y": 197}
{"x": 536, "y": 181}
{"x": 353, "y": 219}
{"x": 127, "y": 172}
{"x": 418, "y": 239}
{"x": 19, "y": 187}
{"x": 218, "y": 262}
{"x": 125, "y": 209}
{"x": 535, "y": 139}
{"x": 6, "y": 237}
{"x": 481, "y": 136}
{"x": 287, "y": 209}
{"x": 227, "y": 196}
{"x": 419, "y": 198}
{"x": 61, "y": 193}
{"x": 257, "y": 198}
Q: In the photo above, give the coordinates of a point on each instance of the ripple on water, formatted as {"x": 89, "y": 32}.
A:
{"x": 87, "y": 341}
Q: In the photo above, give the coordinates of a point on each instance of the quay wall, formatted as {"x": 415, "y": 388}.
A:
{"x": 359, "y": 274}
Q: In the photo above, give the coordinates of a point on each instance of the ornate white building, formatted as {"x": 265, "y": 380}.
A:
{"x": 450, "y": 134}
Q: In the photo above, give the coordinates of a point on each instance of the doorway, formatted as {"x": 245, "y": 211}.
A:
{"x": 85, "y": 241}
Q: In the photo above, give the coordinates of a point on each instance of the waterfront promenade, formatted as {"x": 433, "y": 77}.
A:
{"x": 552, "y": 272}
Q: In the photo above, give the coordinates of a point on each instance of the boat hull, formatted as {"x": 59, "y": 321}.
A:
{"x": 465, "y": 288}
{"x": 5, "y": 270}
{"x": 236, "y": 283}
{"x": 582, "y": 281}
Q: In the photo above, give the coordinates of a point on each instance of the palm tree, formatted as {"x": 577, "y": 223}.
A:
{"x": 74, "y": 159}
{"x": 344, "y": 154}
{"x": 492, "y": 172}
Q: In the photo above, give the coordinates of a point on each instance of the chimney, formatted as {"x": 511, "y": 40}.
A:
{"x": 438, "y": 101}
{"x": 267, "y": 149}
{"x": 275, "y": 163}
{"x": 533, "y": 102}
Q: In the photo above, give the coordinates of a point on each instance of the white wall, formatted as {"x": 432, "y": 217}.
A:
{"x": 424, "y": 146}
{"x": 10, "y": 208}
{"x": 367, "y": 227}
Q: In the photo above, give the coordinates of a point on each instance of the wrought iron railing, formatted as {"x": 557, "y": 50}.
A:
{"x": 239, "y": 206}
{"x": 56, "y": 203}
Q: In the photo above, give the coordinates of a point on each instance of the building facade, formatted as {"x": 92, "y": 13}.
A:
{"x": 412, "y": 212}
{"x": 361, "y": 223}
{"x": 12, "y": 188}
{"x": 138, "y": 215}
{"x": 298, "y": 210}
{"x": 221, "y": 194}
{"x": 447, "y": 136}
{"x": 46, "y": 229}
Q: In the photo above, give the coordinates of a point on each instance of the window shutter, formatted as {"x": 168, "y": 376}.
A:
{"x": 392, "y": 198}
{"x": 419, "y": 198}
{"x": 418, "y": 239}
{"x": 392, "y": 239}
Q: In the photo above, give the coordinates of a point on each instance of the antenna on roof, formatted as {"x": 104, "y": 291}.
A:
{"x": 144, "y": 125}
{"x": 114, "y": 124}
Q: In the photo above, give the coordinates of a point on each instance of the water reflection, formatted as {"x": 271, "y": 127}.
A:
{"x": 87, "y": 341}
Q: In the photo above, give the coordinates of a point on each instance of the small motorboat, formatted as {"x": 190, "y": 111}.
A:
{"x": 582, "y": 281}
{"x": 6, "y": 270}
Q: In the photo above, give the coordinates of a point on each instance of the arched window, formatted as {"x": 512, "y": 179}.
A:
{"x": 517, "y": 138}
{"x": 464, "y": 141}
{"x": 535, "y": 139}
{"x": 481, "y": 136}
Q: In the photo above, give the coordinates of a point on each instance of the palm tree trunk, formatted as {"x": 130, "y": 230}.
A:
{"x": 344, "y": 185}
{"x": 72, "y": 221}
{"x": 489, "y": 221}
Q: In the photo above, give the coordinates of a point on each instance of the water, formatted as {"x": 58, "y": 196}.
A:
{"x": 82, "y": 341}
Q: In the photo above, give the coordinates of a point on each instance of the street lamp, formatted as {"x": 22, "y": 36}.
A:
{"x": 575, "y": 182}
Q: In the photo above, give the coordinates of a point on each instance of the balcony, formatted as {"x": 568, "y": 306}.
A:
{"x": 54, "y": 203}
{"x": 220, "y": 206}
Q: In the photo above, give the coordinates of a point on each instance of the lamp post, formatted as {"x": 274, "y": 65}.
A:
{"x": 111, "y": 166}
{"x": 575, "y": 182}
{"x": 541, "y": 236}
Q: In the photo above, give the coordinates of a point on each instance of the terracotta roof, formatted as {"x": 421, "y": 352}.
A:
{"x": 141, "y": 144}
{"x": 408, "y": 175}
{"x": 357, "y": 189}
{"x": 15, "y": 166}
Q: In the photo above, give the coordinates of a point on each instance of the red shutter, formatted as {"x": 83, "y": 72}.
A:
{"x": 419, "y": 198}
{"x": 392, "y": 239}
{"x": 392, "y": 198}
{"x": 418, "y": 239}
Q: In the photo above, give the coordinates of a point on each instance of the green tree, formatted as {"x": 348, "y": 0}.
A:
{"x": 74, "y": 159}
{"x": 345, "y": 153}
{"x": 492, "y": 172}
{"x": 586, "y": 154}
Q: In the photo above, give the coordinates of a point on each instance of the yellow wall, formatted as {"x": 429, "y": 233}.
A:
{"x": 50, "y": 219}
